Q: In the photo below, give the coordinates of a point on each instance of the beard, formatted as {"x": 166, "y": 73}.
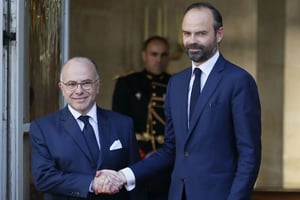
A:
{"x": 203, "y": 53}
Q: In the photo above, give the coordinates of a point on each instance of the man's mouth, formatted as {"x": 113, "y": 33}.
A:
{"x": 80, "y": 99}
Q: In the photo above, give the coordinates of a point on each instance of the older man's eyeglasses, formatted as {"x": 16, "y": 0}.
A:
{"x": 73, "y": 85}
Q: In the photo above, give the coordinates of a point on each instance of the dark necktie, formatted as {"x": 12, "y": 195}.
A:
{"x": 90, "y": 138}
{"x": 195, "y": 91}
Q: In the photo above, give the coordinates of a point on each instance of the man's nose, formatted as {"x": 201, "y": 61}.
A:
{"x": 191, "y": 39}
{"x": 159, "y": 57}
{"x": 79, "y": 88}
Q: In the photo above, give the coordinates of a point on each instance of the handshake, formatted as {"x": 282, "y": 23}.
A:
{"x": 108, "y": 182}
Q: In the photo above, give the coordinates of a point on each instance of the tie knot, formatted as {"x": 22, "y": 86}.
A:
{"x": 197, "y": 72}
{"x": 84, "y": 119}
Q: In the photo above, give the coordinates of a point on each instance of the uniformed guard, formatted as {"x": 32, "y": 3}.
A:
{"x": 141, "y": 96}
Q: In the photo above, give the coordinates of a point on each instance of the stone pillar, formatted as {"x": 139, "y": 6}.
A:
{"x": 270, "y": 78}
{"x": 291, "y": 155}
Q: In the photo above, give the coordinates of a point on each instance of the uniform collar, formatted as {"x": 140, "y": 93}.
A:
{"x": 154, "y": 77}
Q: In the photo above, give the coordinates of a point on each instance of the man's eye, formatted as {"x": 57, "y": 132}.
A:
{"x": 71, "y": 84}
{"x": 185, "y": 34}
{"x": 154, "y": 54}
{"x": 86, "y": 83}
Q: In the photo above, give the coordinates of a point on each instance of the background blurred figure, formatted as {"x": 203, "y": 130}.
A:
{"x": 72, "y": 144}
{"x": 141, "y": 95}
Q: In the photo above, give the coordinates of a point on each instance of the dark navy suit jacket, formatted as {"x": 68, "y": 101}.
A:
{"x": 61, "y": 164}
{"x": 218, "y": 156}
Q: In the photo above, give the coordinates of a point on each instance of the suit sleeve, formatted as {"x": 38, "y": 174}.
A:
{"x": 246, "y": 114}
{"x": 163, "y": 157}
{"x": 139, "y": 191}
{"x": 47, "y": 177}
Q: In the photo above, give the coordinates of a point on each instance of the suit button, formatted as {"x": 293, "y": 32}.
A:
{"x": 186, "y": 154}
{"x": 76, "y": 194}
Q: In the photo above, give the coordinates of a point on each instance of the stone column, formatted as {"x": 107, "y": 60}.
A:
{"x": 270, "y": 78}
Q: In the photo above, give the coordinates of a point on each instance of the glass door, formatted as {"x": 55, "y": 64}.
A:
{"x": 32, "y": 51}
{"x": 45, "y": 29}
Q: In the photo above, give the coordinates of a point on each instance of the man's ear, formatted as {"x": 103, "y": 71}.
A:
{"x": 220, "y": 34}
{"x": 144, "y": 56}
{"x": 60, "y": 85}
{"x": 98, "y": 84}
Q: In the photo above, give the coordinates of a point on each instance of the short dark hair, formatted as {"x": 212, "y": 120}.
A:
{"x": 155, "y": 37}
{"x": 218, "y": 21}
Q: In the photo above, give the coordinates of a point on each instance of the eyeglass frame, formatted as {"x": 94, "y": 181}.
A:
{"x": 68, "y": 84}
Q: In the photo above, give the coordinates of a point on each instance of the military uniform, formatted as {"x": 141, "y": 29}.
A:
{"x": 141, "y": 96}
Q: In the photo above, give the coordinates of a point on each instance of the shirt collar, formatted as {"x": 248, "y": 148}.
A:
{"x": 208, "y": 65}
{"x": 92, "y": 113}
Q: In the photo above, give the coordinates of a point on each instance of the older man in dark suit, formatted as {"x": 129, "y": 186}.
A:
{"x": 72, "y": 144}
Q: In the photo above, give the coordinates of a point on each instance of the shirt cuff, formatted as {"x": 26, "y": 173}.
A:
{"x": 91, "y": 186}
{"x": 130, "y": 178}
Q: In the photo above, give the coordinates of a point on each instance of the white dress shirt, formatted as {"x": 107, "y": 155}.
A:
{"x": 92, "y": 119}
{"x": 205, "y": 68}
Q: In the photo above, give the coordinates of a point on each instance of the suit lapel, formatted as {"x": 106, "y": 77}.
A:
{"x": 210, "y": 86}
{"x": 184, "y": 86}
{"x": 71, "y": 127}
{"x": 104, "y": 135}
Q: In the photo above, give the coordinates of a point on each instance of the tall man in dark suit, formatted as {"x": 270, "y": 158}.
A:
{"x": 217, "y": 144}
{"x": 141, "y": 95}
{"x": 64, "y": 159}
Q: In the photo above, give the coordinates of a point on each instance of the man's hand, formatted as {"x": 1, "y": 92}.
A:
{"x": 108, "y": 182}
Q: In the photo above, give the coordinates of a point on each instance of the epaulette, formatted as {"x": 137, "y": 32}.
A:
{"x": 125, "y": 74}
{"x": 159, "y": 84}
